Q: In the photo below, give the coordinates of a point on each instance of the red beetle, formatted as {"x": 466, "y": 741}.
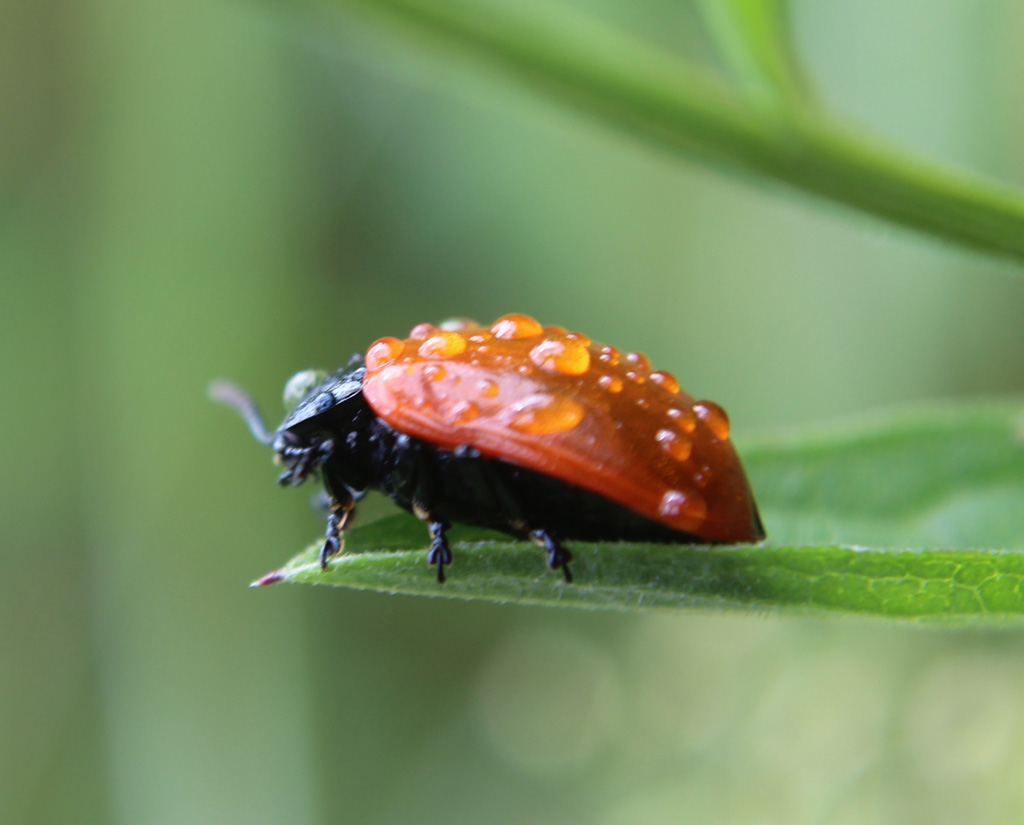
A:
{"x": 526, "y": 429}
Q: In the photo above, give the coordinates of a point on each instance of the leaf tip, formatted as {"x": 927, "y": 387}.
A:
{"x": 271, "y": 578}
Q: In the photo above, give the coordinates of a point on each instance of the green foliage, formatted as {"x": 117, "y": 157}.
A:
{"x": 667, "y": 102}
{"x": 908, "y": 516}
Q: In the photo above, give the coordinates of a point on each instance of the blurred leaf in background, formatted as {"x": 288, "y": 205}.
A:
{"x": 230, "y": 189}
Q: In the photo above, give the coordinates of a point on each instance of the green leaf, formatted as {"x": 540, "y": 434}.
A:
{"x": 666, "y": 102}
{"x": 916, "y": 514}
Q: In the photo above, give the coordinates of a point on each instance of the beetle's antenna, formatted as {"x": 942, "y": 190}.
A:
{"x": 234, "y": 396}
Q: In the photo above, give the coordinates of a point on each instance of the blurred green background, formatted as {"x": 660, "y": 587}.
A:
{"x": 228, "y": 188}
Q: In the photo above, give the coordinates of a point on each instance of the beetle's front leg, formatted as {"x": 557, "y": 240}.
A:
{"x": 341, "y": 510}
{"x": 300, "y": 461}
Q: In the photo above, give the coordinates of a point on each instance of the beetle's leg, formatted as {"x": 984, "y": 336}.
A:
{"x": 341, "y": 510}
{"x": 301, "y": 461}
{"x": 440, "y": 553}
{"x": 414, "y": 465}
{"x": 558, "y": 556}
{"x": 504, "y": 500}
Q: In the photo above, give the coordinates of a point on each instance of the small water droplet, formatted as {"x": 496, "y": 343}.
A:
{"x": 458, "y": 324}
{"x": 714, "y": 417}
{"x": 665, "y": 380}
{"x": 565, "y": 357}
{"x": 638, "y": 360}
{"x": 686, "y": 420}
{"x": 516, "y": 326}
{"x": 488, "y": 388}
{"x": 677, "y": 503}
{"x": 609, "y": 355}
{"x": 383, "y": 352}
{"x": 543, "y": 414}
{"x": 610, "y": 383}
{"x": 635, "y": 377}
{"x": 435, "y": 372}
{"x": 443, "y": 345}
{"x": 421, "y": 332}
{"x": 674, "y": 444}
{"x": 464, "y": 412}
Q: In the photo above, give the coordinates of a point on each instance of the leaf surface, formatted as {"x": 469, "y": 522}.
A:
{"x": 914, "y": 514}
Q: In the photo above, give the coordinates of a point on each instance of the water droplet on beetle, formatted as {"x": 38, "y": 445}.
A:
{"x": 435, "y": 372}
{"x": 638, "y": 360}
{"x": 543, "y": 414}
{"x": 421, "y": 332}
{"x": 665, "y": 380}
{"x": 565, "y": 357}
{"x": 676, "y": 503}
{"x": 686, "y": 420}
{"x": 458, "y": 324}
{"x": 714, "y": 417}
{"x": 516, "y": 326}
{"x": 383, "y": 352}
{"x": 674, "y": 444}
{"x": 443, "y": 345}
{"x": 464, "y": 412}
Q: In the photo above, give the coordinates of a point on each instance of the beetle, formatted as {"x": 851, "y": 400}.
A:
{"x": 527, "y": 429}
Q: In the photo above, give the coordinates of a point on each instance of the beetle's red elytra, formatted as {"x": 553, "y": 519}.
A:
{"x": 556, "y": 403}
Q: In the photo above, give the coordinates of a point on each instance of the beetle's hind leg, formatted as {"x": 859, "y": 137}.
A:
{"x": 558, "y": 556}
{"x": 339, "y": 515}
{"x": 440, "y": 553}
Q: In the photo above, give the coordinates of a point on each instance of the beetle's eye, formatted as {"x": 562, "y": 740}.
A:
{"x": 300, "y": 385}
{"x": 324, "y": 401}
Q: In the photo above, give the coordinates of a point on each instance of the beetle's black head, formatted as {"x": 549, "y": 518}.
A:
{"x": 318, "y": 403}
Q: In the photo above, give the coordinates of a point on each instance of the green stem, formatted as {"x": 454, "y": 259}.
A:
{"x": 755, "y": 41}
{"x": 665, "y": 101}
